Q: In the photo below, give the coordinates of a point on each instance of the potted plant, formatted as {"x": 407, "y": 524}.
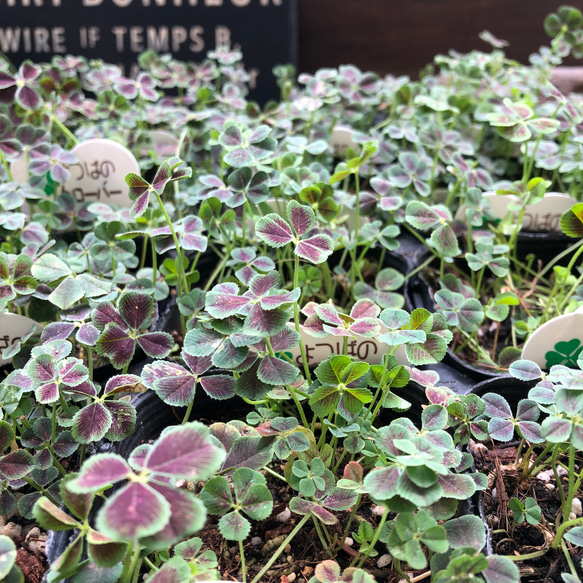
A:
{"x": 262, "y": 241}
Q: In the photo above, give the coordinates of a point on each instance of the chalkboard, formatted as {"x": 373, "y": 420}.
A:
{"x": 117, "y": 31}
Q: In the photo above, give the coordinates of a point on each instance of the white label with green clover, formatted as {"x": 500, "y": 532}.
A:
{"x": 99, "y": 175}
{"x": 13, "y": 328}
{"x": 558, "y": 341}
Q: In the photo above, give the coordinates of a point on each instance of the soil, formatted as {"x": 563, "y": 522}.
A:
{"x": 509, "y": 538}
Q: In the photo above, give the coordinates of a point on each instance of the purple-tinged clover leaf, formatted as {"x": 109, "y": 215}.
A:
{"x": 148, "y": 506}
{"x": 246, "y": 147}
{"x": 123, "y": 329}
{"x": 277, "y": 232}
{"x": 141, "y": 190}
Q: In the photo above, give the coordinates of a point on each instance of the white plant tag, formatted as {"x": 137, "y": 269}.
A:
{"x": 544, "y": 215}
{"x": 19, "y": 169}
{"x": 12, "y": 328}
{"x": 362, "y": 349}
{"x": 99, "y": 176}
{"x": 341, "y": 140}
{"x": 558, "y": 341}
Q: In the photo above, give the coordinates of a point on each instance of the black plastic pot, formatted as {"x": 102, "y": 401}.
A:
{"x": 153, "y": 416}
{"x": 419, "y": 295}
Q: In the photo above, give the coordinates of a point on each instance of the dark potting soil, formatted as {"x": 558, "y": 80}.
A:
{"x": 509, "y": 538}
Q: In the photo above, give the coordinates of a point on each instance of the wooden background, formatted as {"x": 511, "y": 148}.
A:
{"x": 402, "y": 36}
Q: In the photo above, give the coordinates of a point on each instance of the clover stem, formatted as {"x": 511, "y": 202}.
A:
{"x": 350, "y": 519}
{"x": 133, "y": 565}
{"x": 45, "y": 493}
{"x": 561, "y": 530}
{"x": 571, "y": 491}
{"x": 288, "y": 539}
{"x": 65, "y": 130}
{"x": 297, "y": 321}
{"x": 137, "y": 570}
{"x": 182, "y": 283}
{"x": 356, "y": 221}
{"x": 337, "y": 465}
{"x": 569, "y": 560}
{"x": 243, "y": 569}
{"x": 54, "y": 422}
{"x": 275, "y": 474}
{"x": 375, "y": 538}
{"x": 154, "y": 264}
{"x": 144, "y": 251}
{"x": 188, "y": 411}
{"x": 6, "y": 166}
{"x": 57, "y": 463}
{"x": 320, "y": 535}
{"x": 216, "y": 271}
{"x": 127, "y": 563}
{"x": 89, "y": 352}
{"x": 558, "y": 257}
{"x": 289, "y": 387}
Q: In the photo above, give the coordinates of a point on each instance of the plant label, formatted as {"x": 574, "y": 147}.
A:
{"x": 341, "y": 140}
{"x": 558, "y": 341}
{"x": 12, "y": 329}
{"x": 544, "y": 215}
{"x": 363, "y": 349}
{"x": 19, "y": 169}
{"x": 99, "y": 176}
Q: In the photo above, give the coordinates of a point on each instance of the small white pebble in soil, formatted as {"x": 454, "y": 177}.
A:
{"x": 12, "y": 530}
{"x": 550, "y": 487}
{"x": 494, "y": 493}
{"x": 256, "y": 541}
{"x": 348, "y": 541}
{"x": 284, "y": 516}
{"x": 290, "y": 559}
{"x": 572, "y": 516}
{"x": 562, "y": 471}
{"x": 33, "y": 532}
{"x": 291, "y": 577}
{"x": 576, "y": 508}
{"x": 544, "y": 476}
{"x": 384, "y": 561}
{"x": 378, "y": 510}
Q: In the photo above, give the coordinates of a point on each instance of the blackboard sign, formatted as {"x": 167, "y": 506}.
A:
{"x": 117, "y": 31}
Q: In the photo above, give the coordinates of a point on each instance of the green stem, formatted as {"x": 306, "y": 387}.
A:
{"x": 182, "y": 283}
{"x": 6, "y": 166}
{"x": 288, "y": 539}
{"x": 297, "y": 322}
{"x": 375, "y": 538}
{"x": 188, "y": 412}
{"x": 320, "y": 535}
{"x": 561, "y": 530}
{"x": 127, "y": 563}
{"x": 65, "y": 130}
{"x": 275, "y": 474}
{"x": 144, "y": 251}
{"x": 571, "y": 491}
{"x": 154, "y": 263}
{"x": 243, "y": 569}
{"x": 45, "y": 493}
{"x": 349, "y": 523}
{"x": 290, "y": 388}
